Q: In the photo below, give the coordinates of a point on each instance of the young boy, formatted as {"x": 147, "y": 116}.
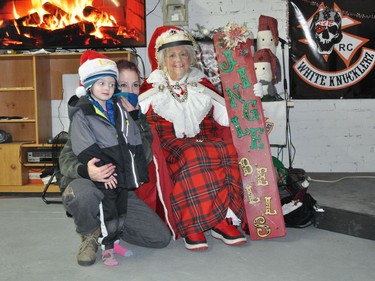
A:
{"x": 102, "y": 128}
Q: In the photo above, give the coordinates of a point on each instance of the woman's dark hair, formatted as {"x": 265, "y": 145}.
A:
{"x": 125, "y": 64}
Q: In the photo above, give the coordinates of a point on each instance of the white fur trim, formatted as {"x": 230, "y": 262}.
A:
{"x": 194, "y": 109}
{"x": 144, "y": 100}
{"x": 80, "y": 91}
{"x": 161, "y": 198}
{"x": 185, "y": 116}
{"x": 215, "y": 96}
{"x": 232, "y": 215}
{"x": 220, "y": 114}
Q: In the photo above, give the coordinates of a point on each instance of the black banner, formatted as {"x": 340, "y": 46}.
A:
{"x": 332, "y": 51}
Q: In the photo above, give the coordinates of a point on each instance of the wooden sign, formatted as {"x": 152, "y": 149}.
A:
{"x": 261, "y": 195}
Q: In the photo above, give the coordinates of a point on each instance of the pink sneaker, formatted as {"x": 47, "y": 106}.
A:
{"x": 109, "y": 258}
{"x": 121, "y": 251}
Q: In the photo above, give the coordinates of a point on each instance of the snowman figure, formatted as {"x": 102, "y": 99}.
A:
{"x": 268, "y": 38}
{"x": 268, "y": 34}
{"x": 265, "y": 70}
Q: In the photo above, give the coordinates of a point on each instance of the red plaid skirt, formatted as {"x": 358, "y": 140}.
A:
{"x": 205, "y": 173}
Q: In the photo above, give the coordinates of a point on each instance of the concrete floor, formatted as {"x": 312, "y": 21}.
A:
{"x": 39, "y": 243}
{"x": 350, "y": 192}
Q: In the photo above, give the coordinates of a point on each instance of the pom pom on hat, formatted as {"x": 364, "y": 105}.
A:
{"x": 164, "y": 37}
{"x": 269, "y": 23}
{"x": 80, "y": 91}
{"x": 93, "y": 66}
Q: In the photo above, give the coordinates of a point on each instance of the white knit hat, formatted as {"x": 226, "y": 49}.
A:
{"x": 94, "y": 66}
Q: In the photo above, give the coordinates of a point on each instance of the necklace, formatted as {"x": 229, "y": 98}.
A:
{"x": 179, "y": 93}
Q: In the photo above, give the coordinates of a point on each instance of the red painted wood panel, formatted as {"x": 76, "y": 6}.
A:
{"x": 262, "y": 200}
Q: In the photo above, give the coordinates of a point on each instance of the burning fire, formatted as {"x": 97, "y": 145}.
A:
{"x": 58, "y": 14}
{"x": 70, "y": 23}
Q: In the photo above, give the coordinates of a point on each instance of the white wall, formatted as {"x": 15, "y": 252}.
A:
{"x": 334, "y": 135}
{"x": 328, "y": 135}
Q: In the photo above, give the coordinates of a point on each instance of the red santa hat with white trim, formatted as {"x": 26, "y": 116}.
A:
{"x": 93, "y": 66}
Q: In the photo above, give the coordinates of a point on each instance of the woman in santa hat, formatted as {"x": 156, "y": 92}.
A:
{"x": 190, "y": 121}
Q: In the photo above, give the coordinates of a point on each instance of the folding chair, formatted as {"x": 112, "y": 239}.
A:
{"x": 58, "y": 143}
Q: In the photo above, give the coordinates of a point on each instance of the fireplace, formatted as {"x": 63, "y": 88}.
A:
{"x": 72, "y": 24}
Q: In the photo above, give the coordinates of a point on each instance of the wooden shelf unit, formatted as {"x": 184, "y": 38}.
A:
{"x": 28, "y": 83}
{"x": 25, "y": 93}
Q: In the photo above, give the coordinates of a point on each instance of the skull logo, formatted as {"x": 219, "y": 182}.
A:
{"x": 326, "y": 30}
